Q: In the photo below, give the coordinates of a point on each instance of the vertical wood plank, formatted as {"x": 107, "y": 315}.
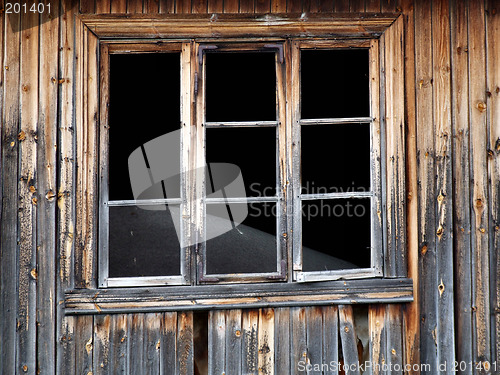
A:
{"x": 493, "y": 105}
{"x": 294, "y": 6}
{"x": 118, "y": 6}
{"x": 185, "y": 361}
{"x": 136, "y": 344}
{"x": 339, "y": 5}
{"x": 216, "y": 342}
{"x": 388, "y": 5}
{"x": 168, "y": 327}
{"x": 151, "y": 6}
{"x": 330, "y": 338}
{"x": 152, "y": 343}
{"x": 394, "y": 327}
{"x": 372, "y": 5}
{"x": 298, "y": 354}
{"x": 103, "y": 6}
{"x": 233, "y": 341}
{"x": 102, "y": 346}
{"x": 200, "y": 6}
{"x": 357, "y": 6}
{"x": 461, "y": 180}
{"x": 250, "y": 353}
{"x": 182, "y": 6}
{"x": 85, "y": 343}
{"x": 314, "y": 337}
{"x": 444, "y": 220}
{"x": 266, "y": 341}
{"x": 134, "y": 6}
{"x": 231, "y": 6}
{"x": 167, "y": 6}
{"x": 27, "y": 185}
{"x": 348, "y": 338}
{"x": 262, "y": 6}
{"x": 215, "y": 6}
{"x": 479, "y": 182}
{"x": 246, "y": 6}
{"x": 282, "y": 340}
{"x": 9, "y": 172}
{"x": 119, "y": 342}
{"x": 65, "y": 350}
{"x": 426, "y": 191}
{"x": 47, "y": 192}
{"x": 86, "y": 6}
{"x": 412, "y": 310}
{"x": 278, "y": 6}
{"x": 310, "y": 6}
{"x": 378, "y": 339}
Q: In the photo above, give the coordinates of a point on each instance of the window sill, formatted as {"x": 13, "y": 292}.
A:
{"x": 125, "y": 300}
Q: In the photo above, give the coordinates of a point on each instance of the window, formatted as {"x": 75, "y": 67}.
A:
{"x": 252, "y": 152}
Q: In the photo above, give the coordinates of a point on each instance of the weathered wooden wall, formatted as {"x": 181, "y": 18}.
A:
{"x": 452, "y": 99}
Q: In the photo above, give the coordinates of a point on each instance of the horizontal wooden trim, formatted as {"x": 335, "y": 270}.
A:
{"x": 241, "y": 124}
{"x": 123, "y": 300}
{"x": 144, "y": 47}
{"x": 345, "y": 195}
{"x": 145, "y": 281}
{"x": 240, "y": 200}
{"x": 143, "y": 202}
{"x": 354, "y": 25}
{"x": 333, "y": 121}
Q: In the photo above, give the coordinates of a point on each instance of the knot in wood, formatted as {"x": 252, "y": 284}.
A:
{"x": 346, "y": 329}
{"x": 481, "y": 106}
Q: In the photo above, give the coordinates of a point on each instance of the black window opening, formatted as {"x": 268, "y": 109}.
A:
{"x": 143, "y": 234}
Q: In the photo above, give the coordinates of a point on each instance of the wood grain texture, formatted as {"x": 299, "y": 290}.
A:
{"x": 118, "y": 6}
{"x": 47, "y": 192}
{"x": 250, "y": 347}
{"x": 348, "y": 339}
{"x": 9, "y": 172}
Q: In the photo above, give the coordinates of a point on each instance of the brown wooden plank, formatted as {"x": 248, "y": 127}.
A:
{"x": 118, "y": 6}
{"x": 348, "y": 338}
{"x": 426, "y": 191}
{"x": 479, "y": 183}
{"x": 356, "y": 6}
{"x": 250, "y": 352}
{"x": 266, "y": 341}
{"x": 388, "y": 5}
{"x": 412, "y": 311}
{"x": 65, "y": 362}
{"x": 182, "y": 6}
{"x": 493, "y": 85}
{"x": 103, "y": 6}
{"x": 246, "y": 6}
{"x": 168, "y": 327}
{"x": 215, "y": 6}
{"x": 119, "y": 336}
{"x": 86, "y": 107}
{"x": 103, "y": 347}
{"x": 461, "y": 181}
{"x": 136, "y": 344}
{"x": 372, "y": 5}
{"x": 262, "y": 6}
{"x": 216, "y": 342}
{"x": 314, "y": 334}
{"x": 378, "y": 338}
{"x": 294, "y": 6}
{"x": 9, "y": 172}
{"x": 151, "y": 6}
{"x": 185, "y": 361}
{"x": 47, "y": 191}
{"x": 394, "y": 327}
{"x": 27, "y": 186}
{"x": 278, "y": 6}
{"x": 339, "y": 5}
{"x": 134, "y": 6}
{"x": 86, "y": 6}
{"x": 231, "y": 6}
{"x": 310, "y": 6}
{"x": 167, "y": 6}
{"x": 199, "y": 6}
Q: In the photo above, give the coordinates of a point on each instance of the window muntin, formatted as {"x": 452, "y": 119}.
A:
{"x": 207, "y": 270}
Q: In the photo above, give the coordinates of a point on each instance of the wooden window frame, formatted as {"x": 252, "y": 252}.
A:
{"x": 115, "y": 32}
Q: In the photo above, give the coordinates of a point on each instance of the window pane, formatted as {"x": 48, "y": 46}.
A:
{"x": 336, "y": 234}
{"x": 241, "y": 238}
{"x": 252, "y": 150}
{"x": 143, "y": 241}
{"x": 240, "y": 86}
{"x": 334, "y": 83}
{"x": 139, "y": 111}
{"x": 335, "y": 158}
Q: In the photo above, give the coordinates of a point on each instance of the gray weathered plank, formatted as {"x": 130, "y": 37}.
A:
{"x": 168, "y": 327}
{"x": 185, "y": 361}
{"x": 250, "y": 327}
{"x": 282, "y": 340}
{"x": 47, "y": 191}
{"x": 330, "y": 339}
{"x": 152, "y": 343}
{"x": 216, "y": 342}
{"x": 314, "y": 334}
{"x": 298, "y": 352}
{"x": 136, "y": 344}
{"x": 349, "y": 340}
{"x": 233, "y": 341}
{"x": 86, "y": 345}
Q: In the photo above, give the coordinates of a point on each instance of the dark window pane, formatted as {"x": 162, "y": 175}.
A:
{"x": 334, "y": 83}
{"x": 252, "y": 150}
{"x": 335, "y": 158}
{"x": 336, "y": 234}
{"x": 241, "y": 238}
{"x": 144, "y": 242}
{"x": 240, "y": 86}
{"x": 142, "y": 107}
